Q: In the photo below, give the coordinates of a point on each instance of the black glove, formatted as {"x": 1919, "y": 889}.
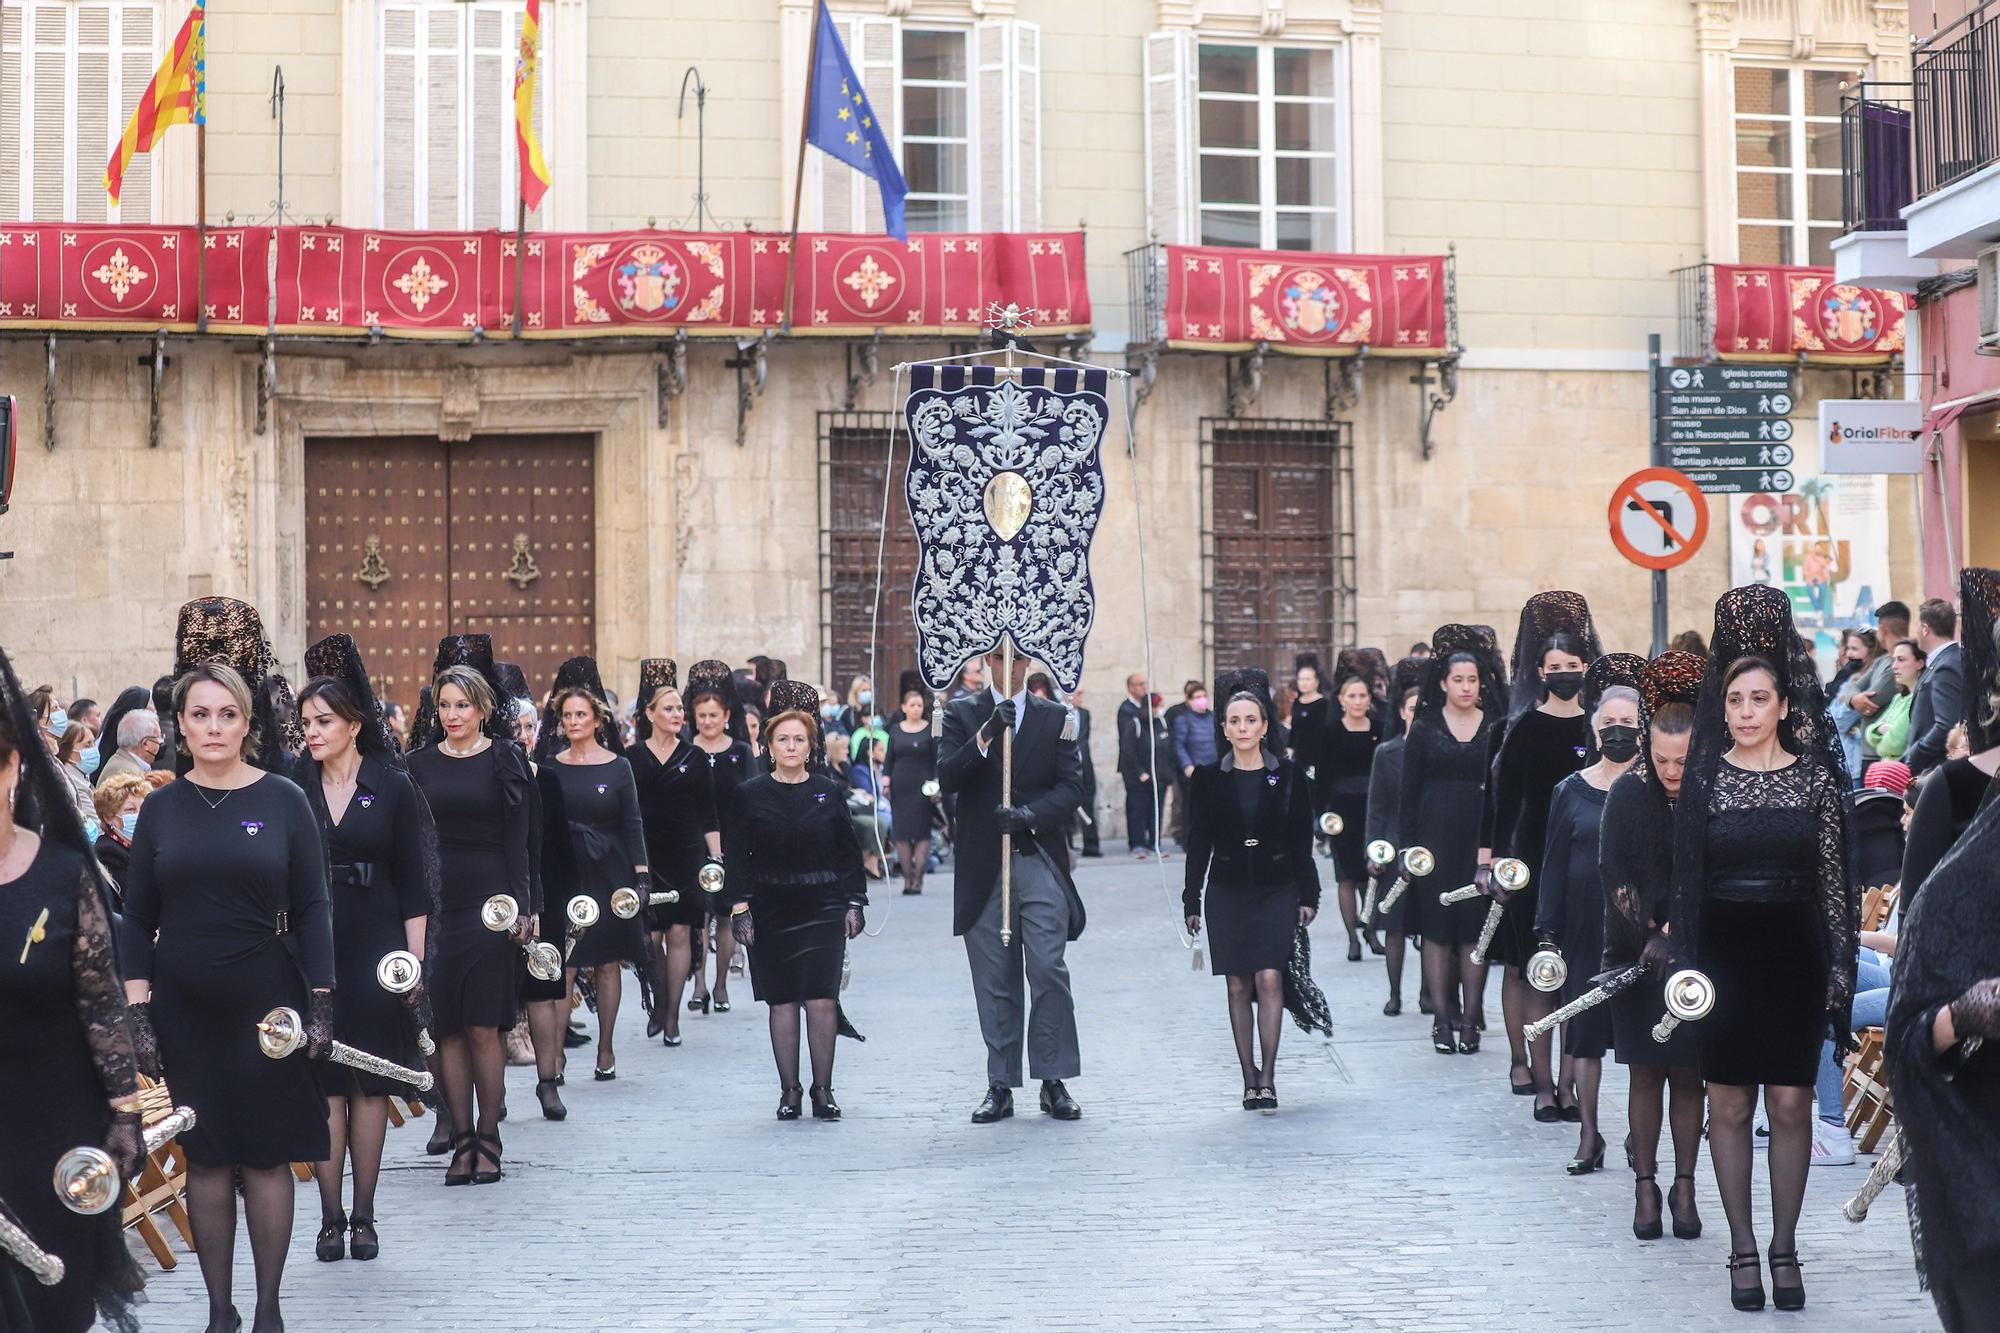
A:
{"x": 1482, "y": 879}
{"x": 1015, "y": 819}
{"x": 1001, "y": 720}
{"x": 419, "y": 1001}
{"x": 145, "y": 1046}
{"x": 1977, "y": 1012}
{"x": 743, "y": 931}
{"x": 319, "y": 1024}
{"x": 125, "y": 1142}
{"x": 856, "y": 919}
{"x": 642, "y": 882}
{"x": 1658, "y": 955}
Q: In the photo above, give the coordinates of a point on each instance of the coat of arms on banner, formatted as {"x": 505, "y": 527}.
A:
{"x": 648, "y": 280}
{"x": 1005, "y": 490}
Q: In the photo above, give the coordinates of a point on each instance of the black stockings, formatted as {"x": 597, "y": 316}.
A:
{"x": 1521, "y": 1004}
{"x": 1790, "y": 1111}
{"x": 1589, "y": 1073}
{"x": 1454, "y": 982}
{"x": 1267, "y": 990}
{"x": 267, "y": 1209}
{"x": 1350, "y": 910}
{"x": 473, "y": 1060}
{"x": 357, "y": 1126}
{"x": 608, "y": 980}
{"x": 1392, "y": 957}
{"x": 914, "y": 856}
{"x": 1683, "y": 1110}
{"x": 677, "y": 961}
{"x": 822, "y": 1028}
{"x": 548, "y": 1020}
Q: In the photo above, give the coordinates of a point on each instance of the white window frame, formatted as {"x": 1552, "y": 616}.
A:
{"x": 1267, "y": 153}
{"x": 81, "y": 171}
{"x": 969, "y": 144}
{"x": 1801, "y": 225}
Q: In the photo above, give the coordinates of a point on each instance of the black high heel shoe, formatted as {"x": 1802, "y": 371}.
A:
{"x": 332, "y": 1243}
{"x": 1641, "y": 1229}
{"x": 488, "y": 1150}
{"x": 1441, "y": 1040}
{"x": 824, "y": 1106}
{"x": 551, "y": 1100}
{"x": 440, "y": 1140}
{"x": 788, "y": 1102}
{"x": 463, "y": 1147}
{"x": 1353, "y": 949}
{"x": 1520, "y": 1089}
{"x": 1468, "y": 1040}
{"x": 364, "y": 1247}
{"x": 1583, "y": 1166}
{"x": 1749, "y": 1298}
{"x": 1792, "y": 1296}
{"x": 1688, "y": 1228}
{"x": 698, "y": 1004}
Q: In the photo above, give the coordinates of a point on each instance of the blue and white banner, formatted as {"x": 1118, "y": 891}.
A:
{"x": 1005, "y": 489}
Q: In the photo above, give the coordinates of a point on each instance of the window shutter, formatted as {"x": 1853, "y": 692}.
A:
{"x": 992, "y": 147}
{"x": 877, "y": 54}
{"x": 496, "y": 34}
{"x": 402, "y": 92}
{"x": 1025, "y": 131}
{"x": 51, "y": 109}
{"x": 135, "y": 59}
{"x": 1170, "y": 148}
{"x": 443, "y": 109}
{"x": 91, "y": 105}
{"x": 12, "y": 149}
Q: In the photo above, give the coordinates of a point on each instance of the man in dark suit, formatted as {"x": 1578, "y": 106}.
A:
{"x": 1135, "y": 766}
{"x": 1935, "y": 704}
{"x": 1046, "y": 911}
{"x": 1087, "y": 815}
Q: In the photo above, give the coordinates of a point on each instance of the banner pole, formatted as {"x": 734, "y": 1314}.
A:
{"x": 201, "y": 217}
{"x": 1007, "y": 766}
{"x": 799, "y": 173}
{"x": 520, "y": 252}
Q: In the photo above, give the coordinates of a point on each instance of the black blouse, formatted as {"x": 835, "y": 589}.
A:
{"x": 1538, "y": 751}
{"x": 676, "y": 799}
{"x": 380, "y": 837}
{"x": 219, "y": 875}
{"x": 483, "y": 805}
{"x": 1271, "y": 849}
{"x": 1946, "y": 802}
{"x": 728, "y": 769}
{"x": 792, "y": 844}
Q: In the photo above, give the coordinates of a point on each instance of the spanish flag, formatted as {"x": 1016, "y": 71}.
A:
{"x": 177, "y": 95}
{"x": 534, "y": 171}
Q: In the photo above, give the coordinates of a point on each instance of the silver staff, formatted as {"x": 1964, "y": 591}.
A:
{"x": 1381, "y": 855}
{"x": 1511, "y": 875}
{"x": 1690, "y": 995}
{"x": 932, "y": 788}
{"x": 398, "y": 973}
{"x": 19, "y": 1246}
{"x": 545, "y": 961}
{"x": 1612, "y": 984}
{"x": 1547, "y": 970}
{"x": 625, "y": 903}
{"x": 1886, "y": 1169}
{"x": 86, "y": 1178}
{"x": 1331, "y": 824}
{"x": 281, "y": 1032}
{"x": 709, "y": 878}
{"x": 1416, "y": 863}
{"x": 499, "y": 913}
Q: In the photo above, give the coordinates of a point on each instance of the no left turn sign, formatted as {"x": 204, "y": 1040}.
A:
{"x": 1658, "y": 518}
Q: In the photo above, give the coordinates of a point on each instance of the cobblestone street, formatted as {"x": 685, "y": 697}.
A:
{"x": 1396, "y": 1190}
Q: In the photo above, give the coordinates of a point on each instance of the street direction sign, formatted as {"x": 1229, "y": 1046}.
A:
{"x": 1742, "y": 481}
{"x": 1724, "y": 403}
{"x": 1689, "y": 457}
{"x": 1706, "y": 430}
{"x": 1739, "y": 379}
{"x": 1658, "y": 518}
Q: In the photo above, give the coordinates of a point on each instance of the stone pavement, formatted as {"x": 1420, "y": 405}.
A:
{"x": 1397, "y": 1189}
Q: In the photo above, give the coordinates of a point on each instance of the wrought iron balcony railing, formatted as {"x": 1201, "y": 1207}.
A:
{"x": 1957, "y": 86}
{"x": 1875, "y": 156}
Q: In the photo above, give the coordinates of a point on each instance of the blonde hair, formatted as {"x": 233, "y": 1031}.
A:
{"x": 110, "y": 797}
{"x": 470, "y": 683}
{"x": 220, "y": 673}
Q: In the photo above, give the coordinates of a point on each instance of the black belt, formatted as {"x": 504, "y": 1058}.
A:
{"x": 1766, "y": 889}
{"x": 360, "y": 873}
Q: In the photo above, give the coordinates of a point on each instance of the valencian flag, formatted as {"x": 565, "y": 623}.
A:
{"x": 1005, "y": 489}
{"x": 527, "y": 63}
{"x": 842, "y": 121}
{"x": 178, "y": 95}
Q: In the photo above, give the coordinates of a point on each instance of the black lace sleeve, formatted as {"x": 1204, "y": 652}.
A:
{"x": 100, "y": 997}
{"x": 1632, "y": 856}
{"x": 1839, "y": 913}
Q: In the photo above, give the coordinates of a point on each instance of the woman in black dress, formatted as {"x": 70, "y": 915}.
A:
{"x": 721, "y": 735}
{"x": 1346, "y": 751}
{"x": 601, "y": 803}
{"x": 226, "y": 915}
{"x": 66, "y": 1068}
{"x": 382, "y": 879}
{"x": 1250, "y": 845}
{"x": 1569, "y": 912}
{"x": 1309, "y": 712}
{"x": 1546, "y": 739}
{"x": 1443, "y": 790}
{"x": 1764, "y": 905}
{"x": 481, "y": 794}
{"x": 1385, "y": 781}
{"x": 797, "y": 893}
{"x": 1635, "y": 864}
{"x": 911, "y": 762}
{"x": 677, "y": 808}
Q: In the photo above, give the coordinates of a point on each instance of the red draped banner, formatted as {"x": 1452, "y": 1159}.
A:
{"x": 343, "y": 281}
{"x": 1771, "y": 312}
{"x": 1222, "y": 298}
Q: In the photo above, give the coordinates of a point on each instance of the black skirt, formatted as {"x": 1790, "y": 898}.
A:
{"x": 797, "y": 950}
{"x": 1250, "y": 930}
{"x": 1588, "y": 1035}
{"x": 1634, "y": 1011}
{"x": 366, "y": 925}
{"x": 1769, "y": 1022}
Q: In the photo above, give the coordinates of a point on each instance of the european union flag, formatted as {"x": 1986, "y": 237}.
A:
{"x": 842, "y": 122}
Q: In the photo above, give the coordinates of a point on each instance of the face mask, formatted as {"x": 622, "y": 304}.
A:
{"x": 866, "y": 697}
{"x": 829, "y": 711}
{"x": 88, "y": 761}
{"x": 1619, "y": 744}
{"x": 1199, "y": 705}
{"x": 58, "y": 721}
{"x": 128, "y": 824}
{"x": 1564, "y": 684}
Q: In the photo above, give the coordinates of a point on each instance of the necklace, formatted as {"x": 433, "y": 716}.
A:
{"x": 457, "y": 753}
{"x": 215, "y": 804}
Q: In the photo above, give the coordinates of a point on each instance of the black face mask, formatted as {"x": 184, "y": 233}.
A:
{"x": 1564, "y": 684}
{"x": 1619, "y": 744}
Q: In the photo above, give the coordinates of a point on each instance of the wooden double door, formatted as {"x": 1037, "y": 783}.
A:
{"x": 410, "y": 539}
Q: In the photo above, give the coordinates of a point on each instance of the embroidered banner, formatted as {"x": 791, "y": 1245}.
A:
{"x": 1770, "y": 312}
{"x": 1005, "y": 489}
{"x": 350, "y": 282}
{"x": 1223, "y": 299}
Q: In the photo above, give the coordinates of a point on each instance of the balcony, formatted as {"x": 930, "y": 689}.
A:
{"x": 1875, "y": 140}
{"x": 1956, "y": 78}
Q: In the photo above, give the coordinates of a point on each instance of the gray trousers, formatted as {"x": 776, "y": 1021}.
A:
{"x": 1004, "y": 994}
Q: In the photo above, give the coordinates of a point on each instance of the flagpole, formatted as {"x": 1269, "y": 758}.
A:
{"x": 520, "y": 251}
{"x": 799, "y": 175}
{"x": 201, "y": 230}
